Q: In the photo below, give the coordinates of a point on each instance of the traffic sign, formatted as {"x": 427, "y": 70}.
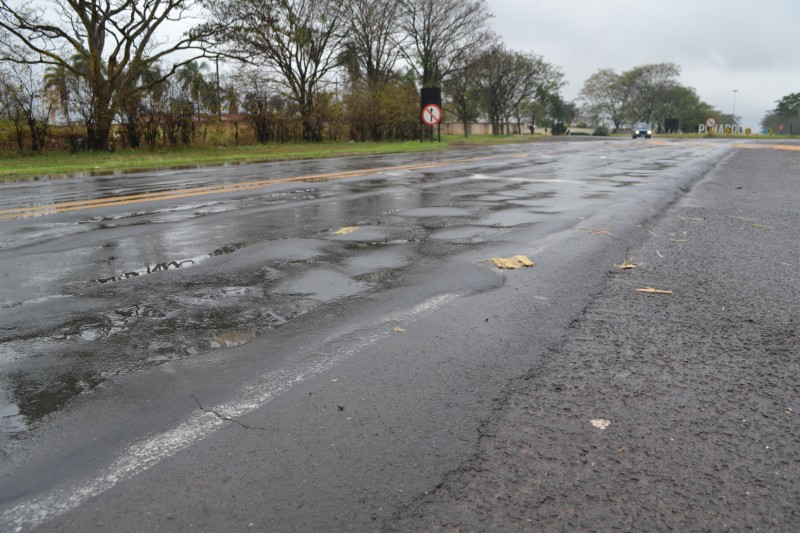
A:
{"x": 711, "y": 122}
{"x": 431, "y": 114}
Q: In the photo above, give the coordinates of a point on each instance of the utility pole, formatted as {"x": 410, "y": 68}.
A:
{"x": 734, "y": 104}
{"x": 219, "y": 101}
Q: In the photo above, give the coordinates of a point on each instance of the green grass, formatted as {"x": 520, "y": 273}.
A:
{"x": 59, "y": 164}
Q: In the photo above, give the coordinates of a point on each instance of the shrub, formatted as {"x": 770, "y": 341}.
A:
{"x": 600, "y": 131}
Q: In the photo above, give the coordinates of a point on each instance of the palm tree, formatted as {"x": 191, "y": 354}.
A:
{"x": 190, "y": 78}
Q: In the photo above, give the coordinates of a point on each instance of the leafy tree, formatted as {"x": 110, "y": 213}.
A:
{"x": 440, "y": 34}
{"x": 646, "y": 87}
{"x": 604, "y": 95}
{"x": 788, "y": 106}
{"x": 113, "y": 38}
{"x": 786, "y": 112}
{"x": 684, "y": 104}
{"x": 191, "y": 79}
{"x": 299, "y": 40}
{"x": 133, "y": 108}
{"x": 560, "y": 110}
{"x": 649, "y": 93}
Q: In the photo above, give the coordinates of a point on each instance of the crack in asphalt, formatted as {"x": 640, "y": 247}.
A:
{"x": 225, "y": 418}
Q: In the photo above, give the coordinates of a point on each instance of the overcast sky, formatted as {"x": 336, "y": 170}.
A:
{"x": 720, "y": 45}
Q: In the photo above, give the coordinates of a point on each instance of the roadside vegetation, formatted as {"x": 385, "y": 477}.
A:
{"x": 57, "y": 164}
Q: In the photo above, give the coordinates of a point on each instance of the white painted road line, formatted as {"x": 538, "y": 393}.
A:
{"x": 145, "y": 454}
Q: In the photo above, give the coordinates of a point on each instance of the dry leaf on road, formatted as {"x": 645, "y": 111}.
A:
{"x": 651, "y": 290}
{"x": 346, "y": 230}
{"x": 626, "y": 265}
{"x": 518, "y": 261}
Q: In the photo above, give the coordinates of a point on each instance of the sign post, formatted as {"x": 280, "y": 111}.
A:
{"x": 430, "y": 111}
{"x": 710, "y": 123}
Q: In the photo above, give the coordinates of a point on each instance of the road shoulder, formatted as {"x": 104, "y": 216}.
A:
{"x": 660, "y": 410}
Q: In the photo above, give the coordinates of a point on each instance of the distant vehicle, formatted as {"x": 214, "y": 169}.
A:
{"x": 642, "y": 129}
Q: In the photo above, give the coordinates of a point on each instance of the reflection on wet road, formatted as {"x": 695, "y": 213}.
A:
{"x": 94, "y": 285}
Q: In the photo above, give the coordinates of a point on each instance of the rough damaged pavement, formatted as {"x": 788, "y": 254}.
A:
{"x": 698, "y": 391}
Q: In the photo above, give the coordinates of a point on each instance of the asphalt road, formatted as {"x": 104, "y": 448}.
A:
{"x": 287, "y": 377}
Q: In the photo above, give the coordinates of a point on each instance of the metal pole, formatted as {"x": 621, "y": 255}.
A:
{"x": 734, "y": 104}
{"x": 219, "y": 100}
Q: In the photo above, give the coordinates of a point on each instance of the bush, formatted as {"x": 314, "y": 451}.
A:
{"x": 600, "y": 131}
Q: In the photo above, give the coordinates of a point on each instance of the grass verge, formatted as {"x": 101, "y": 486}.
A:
{"x": 59, "y": 164}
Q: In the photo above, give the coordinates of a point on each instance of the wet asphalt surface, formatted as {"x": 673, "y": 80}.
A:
{"x": 232, "y": 362}
{"x": 660, "y": 412}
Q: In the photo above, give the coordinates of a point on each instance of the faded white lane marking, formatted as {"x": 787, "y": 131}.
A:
{"x": 145, "y": 454}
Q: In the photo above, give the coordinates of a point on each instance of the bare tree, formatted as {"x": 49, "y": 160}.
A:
{"x": 511, "y": 78}
{"x": 441, "y": 33}
{"x": 114, "y": 40}
{"x": 373, "y": 32}
{"x": 28, "y": 101}
{"x": 297, "y": 39}
{"x": 462, "y": 92}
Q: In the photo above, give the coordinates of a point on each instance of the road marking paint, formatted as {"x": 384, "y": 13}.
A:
{"x": 145, "y": 454}
{"x": 76, "y": 205}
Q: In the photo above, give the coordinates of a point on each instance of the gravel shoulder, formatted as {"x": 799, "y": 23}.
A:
{"x": 660, "y": 411}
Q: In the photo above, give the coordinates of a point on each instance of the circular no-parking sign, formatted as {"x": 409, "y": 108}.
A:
{"x": 431, "y": 114}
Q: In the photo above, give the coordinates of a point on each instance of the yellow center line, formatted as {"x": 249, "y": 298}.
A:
{"x": 62, "y": 207}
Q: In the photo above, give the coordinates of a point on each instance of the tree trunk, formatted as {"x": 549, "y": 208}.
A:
{"x": 99, "y": 131}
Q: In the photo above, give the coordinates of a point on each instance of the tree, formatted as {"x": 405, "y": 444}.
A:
{"x": 604, "y": 95}
{"x": 138, "y": 104}
{"x": 299, "y": 40}
{"x": 689, "y": 109}
{"x": 787, "y": 111}
{"x": 191, "y": 79}
{"x": 373, "y": 36}
{"x": 508, "y": 79}
{"x": 441, "y": 33}
{"x": 560, "y": 111}
{"x": 646, "y": 87}
{"x": 463, "y": 91}
{"x": 28, "y": 101}
{"x": 788, "y": 106}
{"x": 114, "y": 40}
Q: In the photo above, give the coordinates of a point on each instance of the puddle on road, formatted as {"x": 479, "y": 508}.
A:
{"x": 190, "y": 321}
{"x": 232, "y": 338}
{"x": 596, "y": 196}
{"x": 467, "y": 234}
{"x": 377, "y": 277}
{"x": 509, "y": 218}
{"x": 321, "y": 284}
{"x": 33, "y": 398}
